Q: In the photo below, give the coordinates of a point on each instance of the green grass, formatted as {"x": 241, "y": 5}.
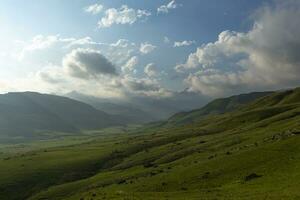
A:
{"x": 252, "y": 153}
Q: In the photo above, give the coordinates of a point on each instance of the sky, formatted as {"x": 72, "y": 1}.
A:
{"x": 150, "y": 49}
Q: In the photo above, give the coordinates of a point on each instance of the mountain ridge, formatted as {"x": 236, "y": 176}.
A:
{"x": 22, "y": 114}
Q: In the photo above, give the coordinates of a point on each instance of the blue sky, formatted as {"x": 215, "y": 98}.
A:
{"x": 189, "y": 47}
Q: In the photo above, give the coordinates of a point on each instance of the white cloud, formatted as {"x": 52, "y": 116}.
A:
{"x": 166, "y": 40}
{"x": 123, "y": 15}
{"x": 130, "y": 64}
{"x": 151, "y": 70}
{"x": 88, "y": 63}
{"x": 83, "y": 41}
{"x": 165, "y": 8}
{"x": 94, "y": 9}
{"x": 184, "y": 43}
{"x": 265, "y": 57}
{"x": 146, "y": 48}
{"x": 121, "y": 43}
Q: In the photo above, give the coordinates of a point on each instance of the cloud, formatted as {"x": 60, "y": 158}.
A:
{"x": 88, "y": 63}
{"x": 123, "y": 15}
{"x": 130, "y": 64}
{"x": 146, "y": 48}
{"x": 40, "y": 43}
{"x": 144, "y": 87}
{"x": 87, "y": 66}
{"x": 166, "y": 40}
{"x": 51, "y": 74}
{"x": 94, "y": 9}
{"x": 183, "y": 43}
{"x": 165, "y": 8}
{"x": 83, "y": 41}
{"x": 265, "y": 57}
{"x": 151, "y": 70}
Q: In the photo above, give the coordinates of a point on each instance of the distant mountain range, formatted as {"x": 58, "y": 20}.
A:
{"x": 23, "y": 114}
{"x": 139, "y": 109}
{"x": 27, "y": 114}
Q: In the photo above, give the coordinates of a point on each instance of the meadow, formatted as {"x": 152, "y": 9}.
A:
{"x": 249, "y": 153}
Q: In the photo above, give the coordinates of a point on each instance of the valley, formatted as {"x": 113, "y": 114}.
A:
{"x": 251, "y": 152}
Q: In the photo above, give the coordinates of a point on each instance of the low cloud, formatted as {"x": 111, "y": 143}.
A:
{"x": 144, "y": 87}
{"x": 123, "y": 15}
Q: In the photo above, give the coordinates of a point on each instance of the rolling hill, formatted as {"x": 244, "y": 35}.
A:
{"x": 252, "y": 152}
{"x": 217, "y": 106}
{"x": 23, "y": 114}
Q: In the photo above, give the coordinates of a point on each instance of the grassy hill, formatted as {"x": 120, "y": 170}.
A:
{"x": 217, "y": 106}
{"x": 23, "y": 114}
{"x": 252, "y": 152}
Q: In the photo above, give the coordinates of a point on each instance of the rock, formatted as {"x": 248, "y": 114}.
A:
{"x": 252, "y": 176}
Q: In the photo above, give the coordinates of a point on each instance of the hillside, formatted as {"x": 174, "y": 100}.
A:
{"x": 250, "y": 153}
{"x": 217, "y": 106}
{"x": 23, "y": 114}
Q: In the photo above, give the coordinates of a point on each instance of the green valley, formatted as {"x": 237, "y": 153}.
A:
{"x": 252, "y": 152}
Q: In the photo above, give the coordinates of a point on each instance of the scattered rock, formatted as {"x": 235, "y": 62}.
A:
{"x": 205, "y": 175}
{"x": 121, "y": 181}
{"x": 252, "y": 176}
{"x": 212, "y": 156}
{"x": 184, "y": 189}
{"x": 149, "y": 164}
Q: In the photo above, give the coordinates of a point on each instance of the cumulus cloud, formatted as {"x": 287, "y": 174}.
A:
{"x": 184, "y": 43}
{"x": 146, "y": 48}
{"x": 130, "y": 64}
{"x": 88, "y": 63}
{"x": 165, "y": 8}
{"x": 265, "y": 57}
{"x": 94, "y": 9}
{"x": 151, "y": 70}
{"x": 123, "y": 15}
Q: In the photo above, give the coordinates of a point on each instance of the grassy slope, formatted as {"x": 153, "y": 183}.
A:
{"x": 217, "y": 106}
{"x": 205, "y": 160}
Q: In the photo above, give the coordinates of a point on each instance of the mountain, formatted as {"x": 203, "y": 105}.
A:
{"x": 22, "y": 114}
{"x": 139, "y": 109}
{"x": 124, "y": 110}
{"x": 217, "y": 106}
{"x": 249, "y": 151}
